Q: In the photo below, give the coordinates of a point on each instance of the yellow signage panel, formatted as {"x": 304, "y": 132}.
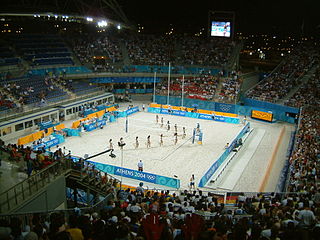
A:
{"x": 266, "y": 116}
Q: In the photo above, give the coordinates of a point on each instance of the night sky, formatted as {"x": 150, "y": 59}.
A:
{"x": 252, "y": 16}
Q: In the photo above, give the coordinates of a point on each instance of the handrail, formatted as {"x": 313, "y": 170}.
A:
{"x": 14, "y": 196}
{"x": 17, "y": 194}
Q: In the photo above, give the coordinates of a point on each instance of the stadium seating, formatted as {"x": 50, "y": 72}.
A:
{"x": 42, "y": 49}
{"x": 78, "y": 87}
{"x": 201, "y": 87}
{"x": 286, "y": 76}
{"x": 88, "y": 47}
{"x": 29, "y": 90}
{"x": 308, "y": 93}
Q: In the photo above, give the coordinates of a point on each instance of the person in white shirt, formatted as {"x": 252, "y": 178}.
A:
{"x": 306, "y": 217}
{"x": 140, "y": 166}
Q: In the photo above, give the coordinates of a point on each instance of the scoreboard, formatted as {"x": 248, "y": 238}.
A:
{"x": 265, "y": 116}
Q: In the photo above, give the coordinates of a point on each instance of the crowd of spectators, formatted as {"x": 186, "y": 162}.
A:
{"x": 6, "y": 101}
{"x": 88, "y": 47}
{"x": 197, "y": 87}
{"x": 305, "y": 158}
{"x": 26, "y": 93}
{"x": 286, "y": 76}
{"x": 308, "y": 93}
{"x": 149, "y": 49}
{"x": 152, "y": 215}
{"x": 230, "y": 87}
{"x": 212, "y": 52}
{"x": 152, "y": 50}
{"x": 29, "y": 160}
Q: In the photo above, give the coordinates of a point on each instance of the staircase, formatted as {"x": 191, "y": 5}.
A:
{"x": 126, "y": 59}
{"x": 218, "y": 90}
{"x": 71, "y": 94}
{"x": 177, "y": 52}
{"x": 234, "y": 58}
{"x": 24, "y": 192}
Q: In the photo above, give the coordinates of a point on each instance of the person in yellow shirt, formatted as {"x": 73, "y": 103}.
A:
{"x": 75, "y": 232}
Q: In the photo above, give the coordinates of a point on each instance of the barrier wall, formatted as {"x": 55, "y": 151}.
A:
{"x": 174, "y": 69}
{"x": 98, "y": 114}
{"x": 214, "y": 167}
{"x": 200, "y": 104}
{"x": 285, "y": 170}
{"x": 58, "y": 139}
{"x": 280, "y": 112}
{"x": 60, "y": 70}
{"x": 37, "y": 135}
{"x": 189, "y": 109}
{"x": 134, "y": 91}
{"x": 181, "y": 113}
{"x": 124, "y": 80}
{"x": 137, "y": 175}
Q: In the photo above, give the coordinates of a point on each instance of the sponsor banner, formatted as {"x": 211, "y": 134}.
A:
{"x": 217, "y": 118}
{"x": 93, "y": 126}
{"x": 266, "y": 116}
{"x": 164, "y": 111}
{"x": 47, "y": 144}
{"x": 132, "y": 110}
{"x": 129, "y": 173}
{"x": 137, "y": 175}
{"x": 205, "y": 116}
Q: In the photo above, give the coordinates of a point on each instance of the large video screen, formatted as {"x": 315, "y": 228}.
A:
{"x": 220, "y": 29}
{"x": 266, "y": 116}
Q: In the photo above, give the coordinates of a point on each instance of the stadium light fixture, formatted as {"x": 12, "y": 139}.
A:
{"x": 102, "y": 23}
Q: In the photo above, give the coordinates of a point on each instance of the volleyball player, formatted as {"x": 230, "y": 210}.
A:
{"x": 175, "y": 138}
{"x": 148, "y": 142}
{"x": 161, "y": 139}
{"x": 184, "y": 132}
{"x": 110, "y": 144}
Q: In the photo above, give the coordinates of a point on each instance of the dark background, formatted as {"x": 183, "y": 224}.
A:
{"x": 252, "y": 16}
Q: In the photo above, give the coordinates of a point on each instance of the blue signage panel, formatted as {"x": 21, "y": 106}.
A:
{"x": 132, "y": 110}
{"x": 92, "y": 126}
{"x": 48, "y": 144}
{"x": 137, "y": 175}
